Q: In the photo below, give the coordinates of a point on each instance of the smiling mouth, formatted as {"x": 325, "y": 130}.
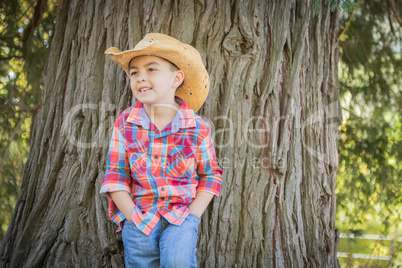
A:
{"x": 144, "y": 89}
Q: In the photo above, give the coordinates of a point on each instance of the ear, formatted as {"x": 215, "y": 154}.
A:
{"x": 178, "y": 79}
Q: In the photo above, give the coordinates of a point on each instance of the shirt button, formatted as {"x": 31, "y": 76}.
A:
{"x": 162, "y": 189}
{"x": 162, "y": 198}
{"x": 156, "y": 157}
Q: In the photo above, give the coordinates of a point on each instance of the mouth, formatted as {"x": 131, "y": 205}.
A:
{"x": 144, "y": 89}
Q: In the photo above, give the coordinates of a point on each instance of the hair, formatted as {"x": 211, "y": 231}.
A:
{"x": 174, "y": 68}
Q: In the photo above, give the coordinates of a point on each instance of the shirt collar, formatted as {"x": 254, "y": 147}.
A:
{"x": 184, "y": 118}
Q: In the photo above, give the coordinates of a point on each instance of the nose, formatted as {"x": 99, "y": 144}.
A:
{"x": 141, "y": 77}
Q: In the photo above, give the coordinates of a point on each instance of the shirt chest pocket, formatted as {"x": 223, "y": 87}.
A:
{"x": 180, "y": 161}
{"x": 137, "y": 155}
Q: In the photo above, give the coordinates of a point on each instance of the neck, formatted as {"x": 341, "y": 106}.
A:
{"x": 161, "y": 112}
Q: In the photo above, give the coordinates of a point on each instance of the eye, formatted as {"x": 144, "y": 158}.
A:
{"x": 133, "y": 73}
{"x": 152, "y": 69}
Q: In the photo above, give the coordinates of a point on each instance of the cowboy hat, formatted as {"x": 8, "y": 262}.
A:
{"x": 195, "y": 87}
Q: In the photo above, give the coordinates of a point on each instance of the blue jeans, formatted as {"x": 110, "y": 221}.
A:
{"x": 167, "y": 245}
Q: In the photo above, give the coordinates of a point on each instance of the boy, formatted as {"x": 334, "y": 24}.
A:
{"x": 162, "y": 171}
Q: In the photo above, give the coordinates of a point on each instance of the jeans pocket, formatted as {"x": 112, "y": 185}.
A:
{"x": 195, "y": 216}
{"x": 128, "y": 223}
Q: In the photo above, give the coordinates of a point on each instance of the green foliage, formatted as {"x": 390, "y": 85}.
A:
{"x": 370, "y": 145}
{"x": 25, "y": 37}
{"x": 345, "y": 5}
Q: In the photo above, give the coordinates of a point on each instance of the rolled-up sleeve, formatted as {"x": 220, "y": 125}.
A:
{"x": 208, "y": 171}
{"x": 117, "y": 176}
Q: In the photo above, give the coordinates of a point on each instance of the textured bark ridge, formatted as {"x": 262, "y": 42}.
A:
{"x": 273, "y": 108}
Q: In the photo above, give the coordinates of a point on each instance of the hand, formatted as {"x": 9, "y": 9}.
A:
{"x": 200, "y": 203}
{"x": 123, "y": 201}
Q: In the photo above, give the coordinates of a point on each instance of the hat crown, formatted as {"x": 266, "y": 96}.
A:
{"x": 153, "y": 38}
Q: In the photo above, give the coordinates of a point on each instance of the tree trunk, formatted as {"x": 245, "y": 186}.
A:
{"x": 273, "y": 108}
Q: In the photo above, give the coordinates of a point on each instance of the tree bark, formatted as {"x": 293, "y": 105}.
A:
{"x": 274, "y": 111}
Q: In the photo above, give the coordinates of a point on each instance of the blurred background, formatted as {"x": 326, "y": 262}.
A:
{"x": 369, "y": 200}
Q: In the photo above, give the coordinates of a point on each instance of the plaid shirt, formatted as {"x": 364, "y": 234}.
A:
{"x": 161, "y": 170}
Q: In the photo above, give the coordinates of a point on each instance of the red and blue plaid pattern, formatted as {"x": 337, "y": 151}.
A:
{"x": 161, "y": 170}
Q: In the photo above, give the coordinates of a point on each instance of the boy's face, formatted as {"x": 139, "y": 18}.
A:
{"x": 153, "y": 80}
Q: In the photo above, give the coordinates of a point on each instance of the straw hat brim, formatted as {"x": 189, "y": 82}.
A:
{"x": 195, "y": 87}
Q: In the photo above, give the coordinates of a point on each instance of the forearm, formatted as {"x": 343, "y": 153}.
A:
{"x": 200, "y": 203}
{"x": 124, "y": 202}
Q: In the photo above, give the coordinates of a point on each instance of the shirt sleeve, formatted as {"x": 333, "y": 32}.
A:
{"x": 208, "y": 171}
{"x": 117, "y": 176}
